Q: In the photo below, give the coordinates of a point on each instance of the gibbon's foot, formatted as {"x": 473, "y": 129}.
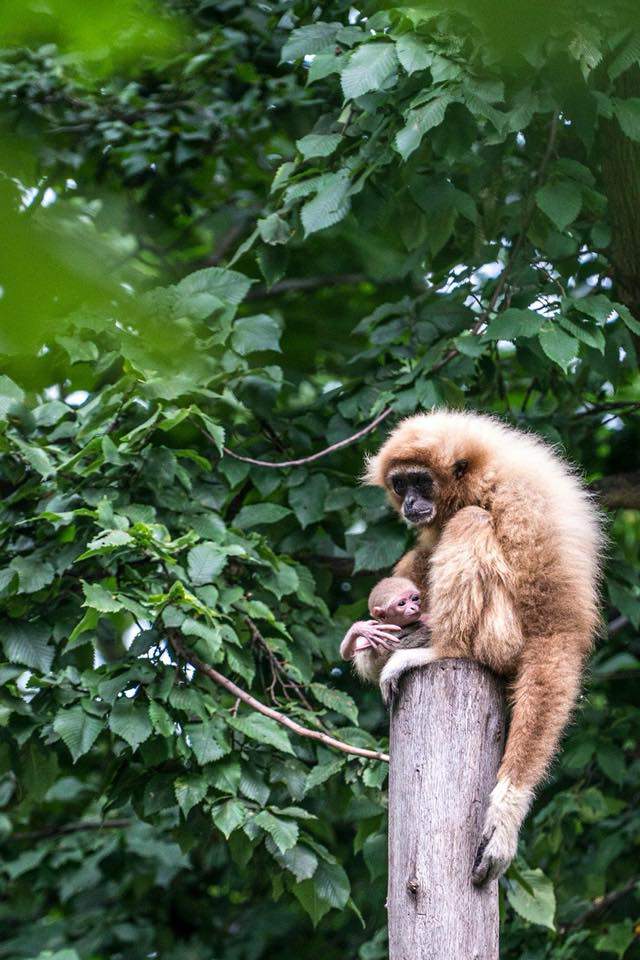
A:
{"x": 507, "y": 809}
{"x": 397, "y": 664}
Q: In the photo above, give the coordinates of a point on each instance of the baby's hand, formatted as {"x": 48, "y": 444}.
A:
{"x": 369, "y": 634}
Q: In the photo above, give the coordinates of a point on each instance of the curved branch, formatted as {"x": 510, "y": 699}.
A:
{"x": 320, "y": 453}
{"x": 266, "y": 711}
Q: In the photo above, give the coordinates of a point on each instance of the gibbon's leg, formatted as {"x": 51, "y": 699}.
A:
{"x": 543, "y": 696}
{"x": 401, "y": 661}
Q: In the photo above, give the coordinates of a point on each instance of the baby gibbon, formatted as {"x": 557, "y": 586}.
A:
{"x": 394, "y": 604}
{"x": 507, "y": 560}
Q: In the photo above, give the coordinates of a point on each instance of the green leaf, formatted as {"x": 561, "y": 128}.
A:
{"x": 561, "y": 201}
{"x": 229, "y": 816}
{"x": 206, "y": 289}
{"x": 531, "y": 894}
{"x": 33, "y": 575}
{"x": 612, "y": 763}
{"x": 513, "y": 323}
{"x": 332, "y": 884}
{"x": 205, "y": 562}
{"x": 10, "y": 395}
{"x": 336, "y": 700}
{"x": 130, "y": 720}
{"x": 161, "y": 720}
{"x": 307, "y": 500}
{"x": 628, "y": 114}
{"x": 413, "y": 54}
{"x": 558, "y": 346}
{"x": 379, "y": 547}
{"x": 618, "y": 937}
{"x": 258, "y": 513}
{"x": 256, "y": 333}
{"x": 77, "y": 729}
{"x": 206, "y": 741}
{"x": 99, "y": 598}
{"x": 309, "y": 39}
{"x": 368, "y": 68}
{"x": 190, "y": 790}
{"x": 273, "y": 229}
{"x": 330, "y": 204}
{"x": 419, "y": 121}
{"x": 27, "y": 643}
{"x": 263, "y": 729}
{"x": 299, "y": 860}
{"x": 312, "y": 903}
{"x": 283, "y": 832}
{"x": 322, "y": 772}
{"x": 592, "y": 336}
{"x": 318, "y": 144}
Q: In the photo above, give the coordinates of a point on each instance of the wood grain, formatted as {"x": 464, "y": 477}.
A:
{"x": 447, "y": 736}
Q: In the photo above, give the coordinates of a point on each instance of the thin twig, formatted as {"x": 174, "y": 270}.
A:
{"x": 320, "y": 453}
{"x": 600, "y": 904}
{"x": 266, "y": 711}
{"x": 59, "y": 831}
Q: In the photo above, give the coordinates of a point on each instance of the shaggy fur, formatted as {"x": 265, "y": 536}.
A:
{"x": 509, "y": 572}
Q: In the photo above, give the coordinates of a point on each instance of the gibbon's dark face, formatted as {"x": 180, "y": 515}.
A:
{"x": 415, "y": 488}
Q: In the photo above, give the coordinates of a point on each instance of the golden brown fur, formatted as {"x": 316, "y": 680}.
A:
{"x": 509, "y": 572}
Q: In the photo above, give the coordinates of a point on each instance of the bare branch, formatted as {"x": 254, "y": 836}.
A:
{"x": 75, "y": 827}
{"x": 620, "y": 490}
{"x": 600, "y": 904}
{"x": 266, "y": 711}
{"x": 320, "y": 453}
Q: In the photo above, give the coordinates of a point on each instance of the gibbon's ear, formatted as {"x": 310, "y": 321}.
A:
{"x": 460, "y": 467}
{"x": 379, "y": 613}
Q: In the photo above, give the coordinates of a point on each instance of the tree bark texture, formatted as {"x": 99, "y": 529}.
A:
{"x": 447, "y": 736}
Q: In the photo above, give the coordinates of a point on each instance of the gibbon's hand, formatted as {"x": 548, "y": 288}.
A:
{"x": 365, "y": 634}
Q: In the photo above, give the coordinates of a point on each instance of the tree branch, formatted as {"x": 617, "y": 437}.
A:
{"x": 620, "y": 490}
{"x": 266, "y": 711}
{"x": 320, "y": 453}
{"x": 599, "y": 905}
{"x": 295, "y": 284}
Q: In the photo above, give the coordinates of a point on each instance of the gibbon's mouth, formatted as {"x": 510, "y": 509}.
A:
{"x": 418, "y": 517}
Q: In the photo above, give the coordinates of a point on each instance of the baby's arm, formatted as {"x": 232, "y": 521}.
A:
{"x": 374, "y": 634}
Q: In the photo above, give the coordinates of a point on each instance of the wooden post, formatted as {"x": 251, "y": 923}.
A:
{"x": 447, "y": 735}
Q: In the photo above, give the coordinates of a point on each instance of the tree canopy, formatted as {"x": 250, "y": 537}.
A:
{"x": 239, "y": 240}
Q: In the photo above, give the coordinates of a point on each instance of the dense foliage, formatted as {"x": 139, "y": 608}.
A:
{"x": 256, "y": 227}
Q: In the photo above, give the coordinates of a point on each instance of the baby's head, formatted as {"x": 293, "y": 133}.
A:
{"x": 395, "y": 600}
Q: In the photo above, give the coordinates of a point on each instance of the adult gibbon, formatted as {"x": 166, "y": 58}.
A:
{"x": 507, "y": 559}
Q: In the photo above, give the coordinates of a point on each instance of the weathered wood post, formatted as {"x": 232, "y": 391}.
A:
{"x": 447, "y": 733}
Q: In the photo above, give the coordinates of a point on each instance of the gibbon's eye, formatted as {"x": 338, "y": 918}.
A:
{"x": 416, "y": 598}
{"x": 399, "y": 485}
{"x": 401, "y": 603}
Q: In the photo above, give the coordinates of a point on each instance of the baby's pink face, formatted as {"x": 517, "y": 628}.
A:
{"x": 404, "y": 608}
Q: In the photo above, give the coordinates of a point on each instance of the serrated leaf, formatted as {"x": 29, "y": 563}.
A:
{"x": 229, "y": 816}
{"x": 332, "y": 884}
{"x": 307, "y": 500}
{"x": 258, "y": 513}
{"x": 257, "y": 333}
{"x": 99, "y": 598}
{"x": 77, "y": 729}
{"x": 322, "y": 772}
{"x": 309, "y": 39}
{"x": 618, "y": 938}
{"x": 592, "y": 336}
{"x": 283, "y": 832}
{"x": 205, "y": 562}
{"x": 611, "y": 761}
{"x": 216, "y": 283}
{"x": 27, "y": 643}
{"x": 330, "y": 204}
{"x": 419, "y": 121}
{"x": 318, "y": 144}
{"x": 368, "y": 68}
{"x": 263, "y": 729}
{"x": 336, "y": 700}
{"x": 561, "y": 201}
{"x": 299, "y": 860}
{"x": 206, "y": 742}
{"x": 190, "y": 790}
{"x": 161, "y": 720}
{"x": 628, "y": 114}
{"x": 413, "y": 54}
{"x": 33, "y": 575}
{"x": 378, "y": 547}
{"x": 558, "y": 346}
{"x": 273, "y": 229}
{"x": 531, "y": 894}
{"x": 512, "y": 323}
{"x": 130, "y": 720}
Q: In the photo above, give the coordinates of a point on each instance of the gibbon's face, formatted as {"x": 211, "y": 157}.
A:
{"x": 403, "y": 609}
{"x": 417, "y": 490}
{"x": 420, "y": 495}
